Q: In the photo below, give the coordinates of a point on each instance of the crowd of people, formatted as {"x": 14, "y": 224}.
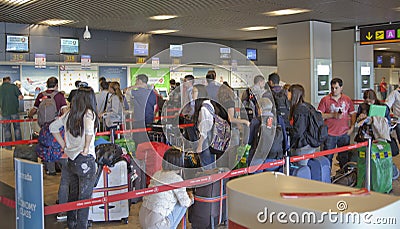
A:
{"x": 265, "y": 104}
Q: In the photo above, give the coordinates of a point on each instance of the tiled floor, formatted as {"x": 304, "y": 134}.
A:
{"x": 7, "y": 184}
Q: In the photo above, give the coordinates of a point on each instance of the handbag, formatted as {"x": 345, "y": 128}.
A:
{"x": 192, "y": 160}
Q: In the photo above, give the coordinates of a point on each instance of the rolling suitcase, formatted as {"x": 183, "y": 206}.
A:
{"x": 137, "y": 178}
{"x": 300, "y": 171}
{"x": 209, "y": 208}
{"x": 320, "y": 169}
{"x": 113, "y": 180}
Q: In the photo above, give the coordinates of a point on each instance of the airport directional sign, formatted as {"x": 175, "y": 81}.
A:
{"x": 380, "y": 34}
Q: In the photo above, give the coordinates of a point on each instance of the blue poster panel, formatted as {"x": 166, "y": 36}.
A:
{"x": 29, "y": 194}
{"x": 12, "y": 71}
{"x": 114, "y": 73}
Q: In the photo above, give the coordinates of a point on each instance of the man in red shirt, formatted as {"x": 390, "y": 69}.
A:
{"x": 383, "y": 88}
{"x": 338, "y": 112}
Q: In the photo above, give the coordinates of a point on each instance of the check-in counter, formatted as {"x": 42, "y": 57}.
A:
{"x": 255, "y": 202}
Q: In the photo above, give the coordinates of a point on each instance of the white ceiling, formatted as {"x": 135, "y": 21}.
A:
{"x": 213, "y": 19}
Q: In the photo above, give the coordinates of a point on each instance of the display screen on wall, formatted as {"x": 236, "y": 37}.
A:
{"x": 251, "y": 54}
{"x": 392, "y": 60}
{"x": 140, "y": 49}
{"x": 175, "y": 50}
{"x": 17, "y": 43}
{"x": 69, "y": 46}
{"x": 379, "y": 59}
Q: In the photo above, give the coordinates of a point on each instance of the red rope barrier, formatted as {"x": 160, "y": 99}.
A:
{"x": 327, "y": 152}
{"x": 17, "y": 120}
{"x": 186, "y": 183}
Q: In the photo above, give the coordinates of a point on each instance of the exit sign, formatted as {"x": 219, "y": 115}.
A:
{"x": 380, "y": 34}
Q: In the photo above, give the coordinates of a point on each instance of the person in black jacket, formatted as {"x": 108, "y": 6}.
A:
{"x": 299, "y": 119}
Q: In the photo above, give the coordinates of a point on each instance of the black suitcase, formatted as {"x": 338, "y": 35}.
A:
{"x": 137, "y": 178}
{"x": 209, "y": 208}
{"x": 27, "y": 152}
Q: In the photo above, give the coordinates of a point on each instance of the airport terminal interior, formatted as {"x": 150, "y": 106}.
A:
{"x": 305, "y": 42}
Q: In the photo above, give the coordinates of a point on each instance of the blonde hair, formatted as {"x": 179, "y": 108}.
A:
{"x": 116, "y": 87}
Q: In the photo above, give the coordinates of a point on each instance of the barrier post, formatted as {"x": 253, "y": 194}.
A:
{"x": 368, "y": 165}
{"x": 287, "y": 165}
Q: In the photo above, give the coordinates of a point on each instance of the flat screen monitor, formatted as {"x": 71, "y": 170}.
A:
{"x": 379, "y": 59}
{"x": 69, "y": 46}
{"x": 392, "y": 60}
{"x": 163, "y": 93}
{"x": 251, "y": 54}
{"x": 17, "y": 43}
{"x": 140, "y": 49}
{"x": 175, "y": 50}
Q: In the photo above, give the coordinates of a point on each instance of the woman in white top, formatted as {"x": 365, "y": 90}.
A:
{"x": 80, "y": 128}
{"x": 203, "y": 120}
{"x": 165, "y": 209}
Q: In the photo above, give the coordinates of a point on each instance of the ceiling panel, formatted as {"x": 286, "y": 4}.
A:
{"x": 213, "y": 19}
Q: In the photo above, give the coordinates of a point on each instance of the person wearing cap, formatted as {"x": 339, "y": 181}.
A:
{"x": 74, "y": 91}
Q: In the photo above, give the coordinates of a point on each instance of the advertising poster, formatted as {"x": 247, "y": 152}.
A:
{"x": 85, "y": 61}
{"x": 12, "y": 71}
{"x": 159, "y": 78}
{"x": 34, "y": 79}
{"x": 29, "y": 194}
{"x": 71, "y": 73}
{"x": 115, "y": 73}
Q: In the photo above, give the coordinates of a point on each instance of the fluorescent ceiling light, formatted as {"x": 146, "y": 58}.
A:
{"x": 380, "y": 49}
{"x": 397, "y": 8}
{"x": 163, "y": 31}
{"x": 18, "y": 2}
{"x": 286, "y": 12}
{"x": 163, "y": 17}
{"x": 256, "y": 28}
{"x": 54, "y": 22}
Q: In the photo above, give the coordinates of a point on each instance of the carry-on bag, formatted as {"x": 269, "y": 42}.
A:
{"x": 381, "y": 167}
{"x": 320, "y": 169}
{"x": 113, "y": 180}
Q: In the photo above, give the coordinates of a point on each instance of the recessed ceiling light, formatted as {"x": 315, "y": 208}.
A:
{"x": 18, "y": 2}
{"x": 286, "y": 12}
{"x": 256, "y": 28}
{"x": 380, "y": 49}
{"x": 54, "y": 22}
{"x": 163, "y": 31}
{"x": 163, "y": 17}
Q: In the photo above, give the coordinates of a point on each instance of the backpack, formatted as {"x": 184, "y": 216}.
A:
{"x": 47, "y": 110}
{"x": 317, "y": 132}
{"x": 221, "y": 135}
{"x": 282, "y": 105}
{"x": 48, "y": 149}
{"x": 250, "y": 105}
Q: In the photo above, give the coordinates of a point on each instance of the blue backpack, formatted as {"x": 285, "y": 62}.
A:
{"x": 48, "y": 149}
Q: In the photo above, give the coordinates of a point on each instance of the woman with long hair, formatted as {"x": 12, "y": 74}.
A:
{"x": 80, "y": 125}
{"x": 299, "y": 119}
{"x": 203, "y": 120}
{"x": 226, "y": 98}
{"x": 114, "y": 109}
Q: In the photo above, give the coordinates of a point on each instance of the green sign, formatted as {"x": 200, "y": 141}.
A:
{"x": 159, "y": 78}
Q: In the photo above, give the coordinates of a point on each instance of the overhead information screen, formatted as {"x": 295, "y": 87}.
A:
{"x": 17, "y": 43}
{"x": 69, "y": 46}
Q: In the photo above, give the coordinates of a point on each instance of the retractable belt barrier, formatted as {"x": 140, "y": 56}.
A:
{"x": 186, "y": 183}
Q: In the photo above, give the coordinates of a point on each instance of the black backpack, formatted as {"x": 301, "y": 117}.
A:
{"x": 282, "y": 105}
{"x": 249, "y": 101}
{"x": 317, "y": 131}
